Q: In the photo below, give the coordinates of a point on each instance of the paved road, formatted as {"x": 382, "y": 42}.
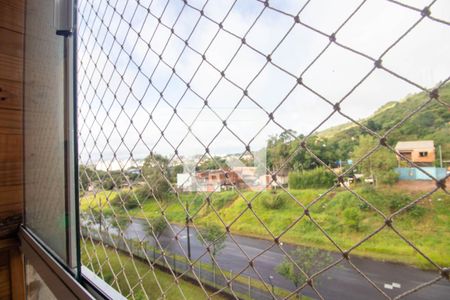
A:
{"x": 341, "y": 282}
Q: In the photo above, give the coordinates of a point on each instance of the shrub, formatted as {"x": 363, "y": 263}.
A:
{"x": 143, "y": 193}
{"x": 345, "y": 199}
{"x": 213, "y": 235}
{"x": 316, "y": 178}
{"x": 222, "y": 199}
{"x": 119, "y": 222}
{"x": 156, "y": 227}
{"x": 352, "y": 217}
{"x": 389, "y": 177}
{"x": 276, "y": 201}
{"x": 417, "y": 211}
{"x": 367, "y": 189}
{"x": 108, "y": 184}
{"x": 397, "y": 201}
{"x": 125, "y": 197}
{"x": 379, "y": 199}
{"x": 364, "y": 206}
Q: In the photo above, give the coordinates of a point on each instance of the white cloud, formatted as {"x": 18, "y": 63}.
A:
{"x": 421, "y": 56}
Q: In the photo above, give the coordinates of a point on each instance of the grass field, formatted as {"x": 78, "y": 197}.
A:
{"x": 128, "y": 278}
{"x": 343, "y": 216}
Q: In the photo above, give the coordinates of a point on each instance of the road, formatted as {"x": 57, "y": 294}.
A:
{"x": 340, "y": 282}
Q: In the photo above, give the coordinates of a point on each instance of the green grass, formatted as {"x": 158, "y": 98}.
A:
{"x": 107, "y": 275}
{"x": 127, "y": 282}
{"x": 97, "y": 200}
{"x": 427, "y": 225}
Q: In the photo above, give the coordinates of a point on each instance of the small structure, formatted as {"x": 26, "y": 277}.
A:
{"x": 221, "y": 179}
{"x": 421, "y": 153}
{"x": 424, "y": 173}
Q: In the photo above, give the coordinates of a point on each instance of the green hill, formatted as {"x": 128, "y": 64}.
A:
{"x": 432, "y": 122}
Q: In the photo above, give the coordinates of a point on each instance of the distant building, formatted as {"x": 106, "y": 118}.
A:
{"x": 218, "y": 180}
{"x": 421, "y": 153}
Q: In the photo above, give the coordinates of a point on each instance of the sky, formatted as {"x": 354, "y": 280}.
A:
{"x": 121, "y": 111}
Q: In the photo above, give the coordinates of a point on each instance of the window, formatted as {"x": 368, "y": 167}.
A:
{"x": 170, "y": 92}
{"x": 184, "y": 90}
{"x": 423, "y": 153}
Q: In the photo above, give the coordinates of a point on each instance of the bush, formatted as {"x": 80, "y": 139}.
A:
{"x": 352, "y": 217}
{"x": 223, "y": 198}
{"x": 397, "y": 201}
{"x": 389, "y": 177}
{"x": 276, "y": 201}
{"x": 108, "y": 184}
{"x": 143, "y": 193}
{"x": 127, "y": 198}
{"x": 156, "y": 227}
{"x": 316, "y": 178}
{"x": 417, "y": 211}
{"x": 213, "y": 235}
{"x": 345, "y": 199}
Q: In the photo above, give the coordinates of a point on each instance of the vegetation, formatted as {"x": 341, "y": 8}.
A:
{"x": 156, "y": 227}
{"x": 340, "y": 143}
{"x": 129, "y": 274}
{"x": 273, "y": 201}
{"x": 352, "y": 217}
{"x": 316, "y": 178}
{"x": 379, "y": 165}
{"x": 156, "y": 173}
{"x": 125, "y": 198}
{"x": 347, "y": 218}
{"x": 430, "y": 123}
{"x": 119, "y": 223}
{"x": 213, "y": 235}
{"x": 309, "y": 260}
{"x": 211, "y": 164}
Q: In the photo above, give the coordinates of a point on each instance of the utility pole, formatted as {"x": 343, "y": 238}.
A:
{"x": 188, "y": 230}
{"x": 440, "y": 156}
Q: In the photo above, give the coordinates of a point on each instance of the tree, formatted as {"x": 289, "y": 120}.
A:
{"x": 87, "y": 176}
{"x": 155, "y": 227}
{"x": 99, "y": 217}
{"x": 108, "y": 184}
{"x": 278, "y": 150}
{"x": 310, "y": 260}
{"x": 113, "y": 179}
{"x": 155, "y": 173}
{"x": 352, "y": 216}
{"x": 173, "y": 171}
{"x": 373, "y": 125}
{"x": 214, "y": 235}
{"x": 119, "y": 223}
{"x": 378, "y": 164}
{"x": 212, "y": 164}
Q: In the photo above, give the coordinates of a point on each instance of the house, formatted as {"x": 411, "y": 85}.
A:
{"x": 421, "y": 153}
{"x": 217, "y": 180}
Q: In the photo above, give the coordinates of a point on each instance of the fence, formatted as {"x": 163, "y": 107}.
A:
{"x": 416, "y": 174}
{"x": 244, "y": 286}
{"x": 167, "y": 84}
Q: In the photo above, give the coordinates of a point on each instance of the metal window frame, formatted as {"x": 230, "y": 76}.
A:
{"x": 60, "y": 280}
{"x": 67, "y": 278}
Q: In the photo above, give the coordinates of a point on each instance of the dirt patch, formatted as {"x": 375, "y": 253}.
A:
{"x": 418, "y": 185}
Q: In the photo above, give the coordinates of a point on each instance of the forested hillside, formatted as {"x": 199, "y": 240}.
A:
{"x": 432, "y": 122}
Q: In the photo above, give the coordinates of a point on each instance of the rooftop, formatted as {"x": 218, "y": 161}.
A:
{"x": 410, "y": 145}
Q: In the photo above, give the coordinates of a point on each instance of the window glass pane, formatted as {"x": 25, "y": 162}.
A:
{"x": 265, "y": 149}
{"x": 44, "y": 139}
